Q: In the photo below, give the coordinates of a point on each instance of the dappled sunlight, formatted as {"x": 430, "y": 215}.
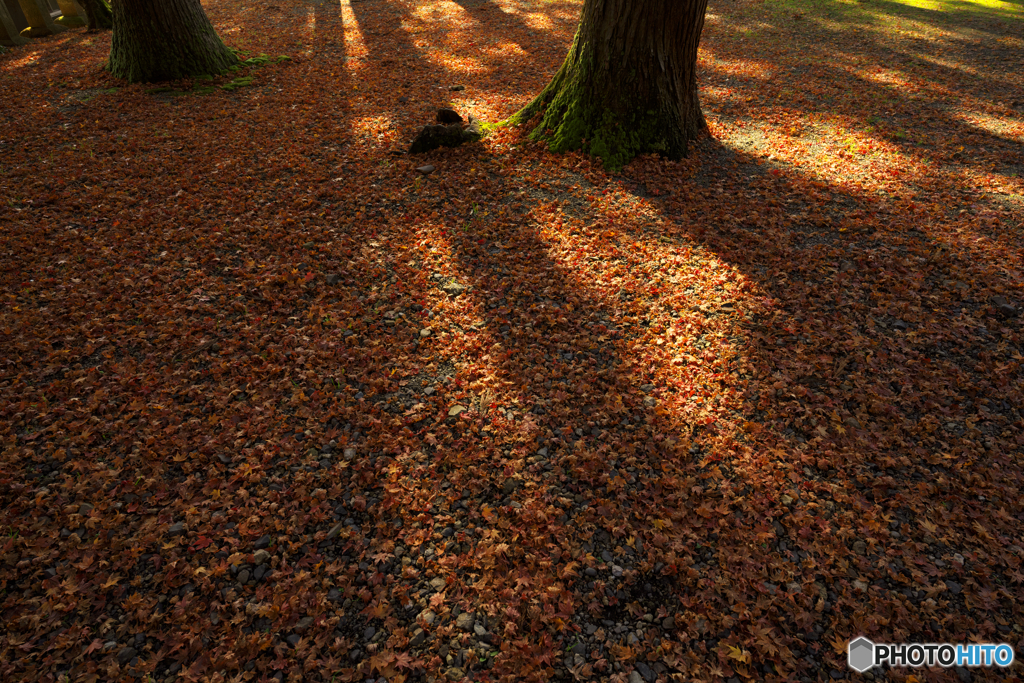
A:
{"x": 700, "y": 419}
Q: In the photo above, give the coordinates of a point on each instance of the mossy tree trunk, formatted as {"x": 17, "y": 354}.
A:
{"x": 629, "y": 83}
{"x": 163, "y": 40}
{"x": 100, "y": 16}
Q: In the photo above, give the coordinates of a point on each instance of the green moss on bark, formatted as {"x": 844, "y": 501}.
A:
{"x": 165, "y": 40}
{"x": 626, "y": 87}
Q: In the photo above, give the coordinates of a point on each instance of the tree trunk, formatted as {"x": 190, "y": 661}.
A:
{"x": 99, "y": 14}
{"x": 629, "y": 83}
{"x": 163, "y": 40}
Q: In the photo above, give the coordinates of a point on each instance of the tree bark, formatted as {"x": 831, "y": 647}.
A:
{"x": 163, "y": 40}
{"x": 99, "y": 14}
{"x": 629, "y": 83}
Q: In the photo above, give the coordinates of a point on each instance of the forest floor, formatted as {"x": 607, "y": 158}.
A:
{"x": 277, "y": 406}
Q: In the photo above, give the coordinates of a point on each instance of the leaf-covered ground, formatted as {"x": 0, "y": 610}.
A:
{"x": 275, "y": 406}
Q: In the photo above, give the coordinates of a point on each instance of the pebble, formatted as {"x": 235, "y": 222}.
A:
{"x": 243, "y": 576}
{"x": 418, "y": 636}
{"x": 428, "y": 617}
{"x": 263, "y": 542}
{"x": 645, "y": 671}
{"x": 85, "y": 509}
{"x": 261, "y": 556}
{"x": 425, "y": 332}
{"x": 349, "y": 453}
{"x": 465, "y": 621}
{"x": 335, "y": 530}
{"x": 126, "y": 655}
{"x": 304, "y": 624}
{"x": 369, "y": 632}
{"x": 668, "y": 623}
{"x": 860, "y": 547}
{"x": 455, "y": 674}
{"x": 293, "y": 639}
{"x": 456, "y": 410}
{"x": 635, "y": 677}
{"x": 176, "y": 529}
{"x": 426, "y": 170}
{"x": 953, "y": 587}
{"x": 438, "y": 583}
{"x": 479, "y": 630}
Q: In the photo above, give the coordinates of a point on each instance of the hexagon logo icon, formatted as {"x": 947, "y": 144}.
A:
{"x": 861, "y": 654}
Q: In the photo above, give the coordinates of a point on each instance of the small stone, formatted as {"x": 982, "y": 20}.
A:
{"x": 860, "y": 547}
{"x": 479, "y": 630}
{"x": 668, "y": 623}
{"x": 446, "y": 115}
{"x": 953, "y": 587}
{"x": 456, "y": 410}
{"x": 126, "y": 655}
{"x": 176, "y": 529}
{"x": 403, "y": 99}
{"x": 304, "y": 624}
{"x": 645, "y": 671}
{"x": 455, "y": 674}
{"x": 454, "y": 289}
{"x": 964, "y": 674}
{"x": 428, "y": 617}
{"x": 457, "y": 88}
{"x": 224, "y": 458}
{"x": 349, "y": 453}
{"x": 465, "y": 622}
{"x": 335, "y": 530}
{"x": 263, "y": 542}
{"x": 590, "y": 571}
{"x": 333, "y": 279}
{"x": 1006, "y": 311}
{"x": 786, "y": 500}
{"x": 901, "y": 325}
{"x": 85, "y": 508}
{"x": 862, "y": 586}
{"x": 635, "y": 677}
{"x": 429, "y": 391}
{"x": 438, "y": 583}
{"x": 261, "y": 556}
{"x": 243, "y": 576}
{"x": 260, "y": 572}
{"x": 293, "y": 639}
{"x": 418, "y": 636}
{"x": 426, "y": 332}
{"x": 369, "y": 632}
{"x": 426, "y": 170}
